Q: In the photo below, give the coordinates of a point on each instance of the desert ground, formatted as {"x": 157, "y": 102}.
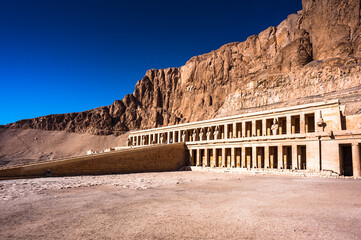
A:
{"x": 180, "y": 205}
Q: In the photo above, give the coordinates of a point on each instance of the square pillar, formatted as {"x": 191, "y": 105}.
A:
{"x": 254, "y": 156}
{"x": 266, "y": 156}
{"x": 243, "y": 129}
{"x": 264, "y": 127}
{"x": 238, "y": 157}
{"x": 179, "y": 136}
{"x": 233, "y": 157}
{"x": 214, "y": 159}
{"x": 302, "y": 123}
{"x": 234, "y": 133}
{"x": 253, "y": 132}
{"x": 243, "y": 157}
{"x": 288, "y": 125}
{"x": 198, "y": 157}
{"x": 280, "y": 157}
{"x": 294, "y": 156}
{"x": 191, "y": 157}
{"x": 225, "y": 131}
{"x": 223, "y": 157}
{"x": 205, "y": 162}
{"x": 356, "y": 160}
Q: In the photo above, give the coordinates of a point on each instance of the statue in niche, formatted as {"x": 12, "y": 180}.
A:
{"x": 274, "y": 126}
{"x": 194, "y": 135}
{"x": 215, "y": 133}
{"x": 183, "y": 136}
{"x": 161, "y": 138}
{"x": 201, "y": 134}
{"x": 143, "y": 140}
{"x": 209, "y": 130}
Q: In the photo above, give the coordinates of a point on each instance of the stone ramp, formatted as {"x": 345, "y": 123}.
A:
{"x": 154, "y": 158}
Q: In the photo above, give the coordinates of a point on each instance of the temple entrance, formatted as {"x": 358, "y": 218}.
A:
{"x": 273, "y": 157}
{"x": 301, "y": 157}
{"x": 201, "y": 157}
{"x": 260, "y": 157}
{"x": 194, "y": 157}
{"x": 210, "y": 157}
{"x": 346, "y": 160}
{"x": 287, "y": 157}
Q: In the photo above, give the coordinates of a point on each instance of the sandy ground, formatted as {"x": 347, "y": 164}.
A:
{"x": 19, "y": 146}
{"x": 180, "y": 205}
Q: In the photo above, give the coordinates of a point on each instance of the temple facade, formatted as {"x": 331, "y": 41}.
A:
{"x": 314, "y": 137}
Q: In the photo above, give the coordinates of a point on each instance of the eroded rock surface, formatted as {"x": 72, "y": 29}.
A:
{"x": 313, "y": 52}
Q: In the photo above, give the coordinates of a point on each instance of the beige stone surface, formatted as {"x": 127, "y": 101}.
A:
{"x": 180, "y": 205}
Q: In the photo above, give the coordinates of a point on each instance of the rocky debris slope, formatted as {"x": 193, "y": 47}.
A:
{"x": 25, "y": 146}
{"x": 316, "y": 51}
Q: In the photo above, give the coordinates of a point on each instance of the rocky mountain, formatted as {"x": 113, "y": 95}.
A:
{"x": 314, "y": 52}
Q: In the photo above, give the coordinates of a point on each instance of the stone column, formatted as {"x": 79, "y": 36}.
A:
{"x": 243, "y": 157}
{"x": 168, "y": 137}
{"x": 280, "y": 126}
{"x": 174, "y": 140}
{"x": 191, "y": 157}
{"x": 223, "y": 157}
{"x": 285, "y": 156}
{"x": 238, "y": 157}
{"x": 293, "y": 125}
{"x": 272, "y": 158}
{"x": 254, "y": 157}
{"x": 280, "y": 157}
{"x": 302, "y": 123}
{"x": 259, "y": 158}
{"x": 225, "y": 131}
{"x": 299, "y": 162}
{"x": 266, "y": 156}
{"x": 158, "y": 136}
{"x": 214, "y": 159}
{"x": 288, "y": 125}
{"x": 264, "y": 127}
{"x": 198, "y": 157}
{"x": 233, "y": 157}
{"x": 179, "y": 135}
{"x": 356, "y": 160}
{"x": 294, "y": 156}
{"x": 234, "y": 133}
{"x": 205, "y": 162}
{"x": 253, "y": 132}
{"x": 244, "y": 129}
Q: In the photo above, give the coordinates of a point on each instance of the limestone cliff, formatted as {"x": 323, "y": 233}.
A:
{"x": 314, "y": 52}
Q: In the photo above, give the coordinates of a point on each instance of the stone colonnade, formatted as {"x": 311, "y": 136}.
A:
{"x": 283, "y": 125}
{"x": 286, "y": 156}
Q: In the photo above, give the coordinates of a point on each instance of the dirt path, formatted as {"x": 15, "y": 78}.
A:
{"x": 180, "y": 205}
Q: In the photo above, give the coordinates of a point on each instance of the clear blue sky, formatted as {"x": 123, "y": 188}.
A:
{"x": 59, "y": 56}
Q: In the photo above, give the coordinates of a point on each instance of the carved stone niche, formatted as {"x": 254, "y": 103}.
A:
{"x": 274, "y": 126}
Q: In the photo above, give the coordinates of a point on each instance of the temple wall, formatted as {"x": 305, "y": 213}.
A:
{"x": 330, "y": 156}
{"x": 353, "y": 121}
{"x": 146, "y": 159}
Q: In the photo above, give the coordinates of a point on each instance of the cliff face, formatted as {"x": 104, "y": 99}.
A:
{"x": 316, "y": 51}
